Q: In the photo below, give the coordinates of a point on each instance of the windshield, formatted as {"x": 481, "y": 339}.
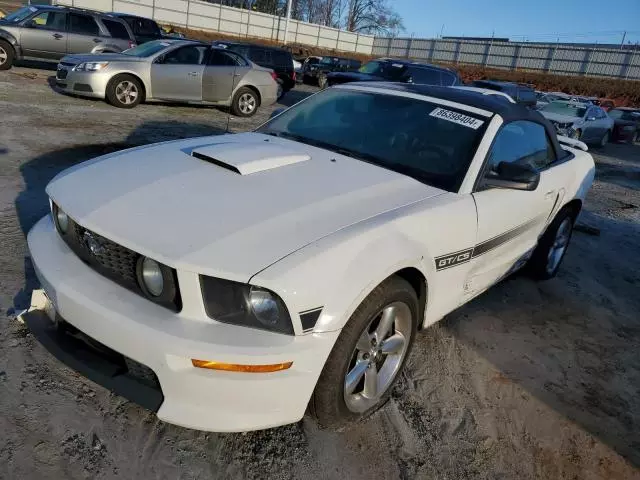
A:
{"x": 329, "y": 60}
{"x": 419, "y": 139}
{"x": 383, "y": 69}
{"x": 567, "y": 109}
{"x": 147, "y": 49}
{"x": 20, "y": 15}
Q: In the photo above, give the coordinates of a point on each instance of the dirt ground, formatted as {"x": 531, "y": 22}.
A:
{"x": 530, "y": 380}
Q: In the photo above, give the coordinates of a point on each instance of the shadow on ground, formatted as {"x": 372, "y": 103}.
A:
{"x": 32, "y": 203}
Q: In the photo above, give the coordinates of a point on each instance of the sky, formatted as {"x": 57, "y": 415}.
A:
{"x": 601, "y": 21}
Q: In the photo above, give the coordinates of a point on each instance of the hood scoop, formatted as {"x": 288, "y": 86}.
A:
{"x": 248, "y": 158}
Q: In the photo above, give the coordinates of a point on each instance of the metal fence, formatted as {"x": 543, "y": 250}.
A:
{"x": 232, "y": 21}
{"x": 551, "y": 58}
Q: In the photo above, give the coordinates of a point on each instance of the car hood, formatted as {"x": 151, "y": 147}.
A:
{"x": 354, "y": 77}
{"x": 240, "y": 204}
{"x": 100, "y": 57}
{"x": 555, "y": 117}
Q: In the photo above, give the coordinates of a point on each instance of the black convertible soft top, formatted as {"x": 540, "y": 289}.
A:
{"x": 496, "y": 104}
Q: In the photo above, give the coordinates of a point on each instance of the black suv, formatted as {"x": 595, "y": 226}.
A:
{"x": 316, "y": 72}
{"x": 277, "y": 59}
{"x": 144, "y": 29}
{"x": 521, "y": 93}
{"x": 390, "y": 70}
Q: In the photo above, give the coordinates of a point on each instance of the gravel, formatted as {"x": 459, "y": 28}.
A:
{"x": 530, "y": 380}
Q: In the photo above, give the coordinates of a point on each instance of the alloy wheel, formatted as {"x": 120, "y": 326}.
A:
{"x": 247, "y": 103}
{"x": 559, "y": 245}
{"x": 377, "y": 357}
{"x": 3, "y": 56}
{"x": 126, "y": 92}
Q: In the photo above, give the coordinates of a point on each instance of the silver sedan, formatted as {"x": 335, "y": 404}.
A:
{"x": 170, "y": 70}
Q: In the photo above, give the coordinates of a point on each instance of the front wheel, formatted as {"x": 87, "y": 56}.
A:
{"x": 7, "y": 56}
{"x": 124, "y": 91}
{"x": 322, "y": 82}
{"x": 547, "y": 257}
{"x": 369, "y": 354}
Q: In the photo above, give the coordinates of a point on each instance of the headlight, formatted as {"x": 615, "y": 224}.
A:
{"x": 151, "y": 276}
{"x": 60, "y": 219}
{"x": 90, "y": 66}
{"x": 245, "y": 305}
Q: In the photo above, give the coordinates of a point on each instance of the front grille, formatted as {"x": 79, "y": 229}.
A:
{"x": 115, "y": 262}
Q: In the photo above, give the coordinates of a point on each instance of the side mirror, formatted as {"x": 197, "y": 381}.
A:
{"x": 513, "y": 176}
{"x": 276, "y": 112}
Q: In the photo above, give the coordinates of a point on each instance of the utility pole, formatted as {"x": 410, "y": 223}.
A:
{"x": 624, "y": 35}
{"x": 286, "y": 24}
{"x": 442, "y": 30}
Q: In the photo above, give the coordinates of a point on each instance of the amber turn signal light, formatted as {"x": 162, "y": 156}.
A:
{"x": 234, "y": 367}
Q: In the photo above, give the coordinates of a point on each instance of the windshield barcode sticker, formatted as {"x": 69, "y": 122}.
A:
{"x": 455, "y": 117}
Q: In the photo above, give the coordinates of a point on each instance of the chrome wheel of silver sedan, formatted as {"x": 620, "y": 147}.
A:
{"x": 377, "y": 358}
{"x": 559, "y": 246}
{"x": 247, "y": 103}
{"x": 3, "y": 55}
{"x": 127, "y": 92}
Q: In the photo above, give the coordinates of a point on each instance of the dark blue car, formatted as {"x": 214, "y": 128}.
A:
{"x": 390, "y": 70}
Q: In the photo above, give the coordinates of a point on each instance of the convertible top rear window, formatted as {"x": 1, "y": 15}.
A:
{"x": 429, "y": 142}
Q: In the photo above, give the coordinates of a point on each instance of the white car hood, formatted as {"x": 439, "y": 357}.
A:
{"x": 263, "y": 198}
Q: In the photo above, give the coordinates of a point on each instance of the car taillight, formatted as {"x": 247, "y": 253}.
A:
{"x": 293, "y": 77}
{"x": 132, "y": 44}
{"x": 274, "y": 76}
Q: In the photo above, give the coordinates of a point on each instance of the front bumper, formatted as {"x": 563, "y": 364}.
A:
{"x": 86, "y": 84}
{"x": 165, "y": 342}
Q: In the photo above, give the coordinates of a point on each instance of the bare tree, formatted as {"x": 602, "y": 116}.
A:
{"x": 372, "y": 16}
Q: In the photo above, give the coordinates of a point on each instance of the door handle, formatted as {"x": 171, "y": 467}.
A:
{"x": 236, "y": 74}
{"x": 550, "y": 194}
{"x": 193, "y": 74}
{"x": 97, "y": 40}
{"x": 57, "y": 36}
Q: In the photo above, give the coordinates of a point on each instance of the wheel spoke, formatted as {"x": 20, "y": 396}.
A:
{"x": 393, "y": 344}
{"x": 355, "y": 375}
{"x": 371, "y": 382}
{"x": 364, "y": 342}
{"x": 386, "y": 322}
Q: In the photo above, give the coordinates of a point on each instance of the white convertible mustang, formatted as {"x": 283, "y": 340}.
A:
{"x": 231, "y": 282}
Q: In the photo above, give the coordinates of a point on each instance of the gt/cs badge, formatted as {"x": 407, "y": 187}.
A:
{"x": 92, "y": 243}
{"x": 453, "y": 259}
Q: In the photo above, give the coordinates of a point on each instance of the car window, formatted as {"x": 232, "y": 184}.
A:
{"x": 260, "y": 56}
{"x": 420, "y": 139}
{"x": 116, "y": 29}
{"x": 522, "y": 142}
{"x": 144, "y": 27}
{"x": 83, "y": 25}
{"x": 281, "y": 59}
{"x": 526, "y": 95}
{"x": 565, "y": 108}
{"x": 188, "y": 55}
{"x": 424, "y": 76}
{"x": 50, "y": 21}
{"x": 221, "y": 58}
{"x": 385, "y": 69}
{"x": 600, "y": 113}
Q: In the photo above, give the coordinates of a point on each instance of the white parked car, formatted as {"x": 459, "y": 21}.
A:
{"x": 230, "y": 282}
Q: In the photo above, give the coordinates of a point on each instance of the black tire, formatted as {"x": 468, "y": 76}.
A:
{"x": 245, "y": 102}
{"x": 322, "y": 81}
{"x": 117, "y": 91}
{"x": 539, "y": 265}
{"x": 7, "y": 55}
{"x": 328, "y": 403}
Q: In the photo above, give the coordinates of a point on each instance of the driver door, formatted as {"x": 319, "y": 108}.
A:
{"x": 177, "y": 75}
{"x": 222, "y": 74}
{"x": 510, "y": 221}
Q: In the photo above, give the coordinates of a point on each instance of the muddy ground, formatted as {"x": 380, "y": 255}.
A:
{"x": 530, "y": 380}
